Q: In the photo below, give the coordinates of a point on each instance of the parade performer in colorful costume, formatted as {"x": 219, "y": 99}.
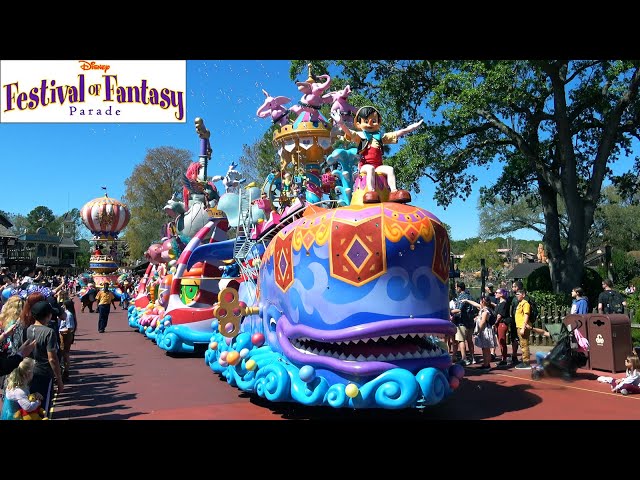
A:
{"x": 370, "y": 140}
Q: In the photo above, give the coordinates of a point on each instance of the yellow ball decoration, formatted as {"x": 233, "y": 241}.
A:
{"x": 250, "y": 365}
{"x": 213, "y": 345}
{"x": 352, "y": 390}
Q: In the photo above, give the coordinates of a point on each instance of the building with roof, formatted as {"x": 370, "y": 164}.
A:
{"x": 39, "y": 249}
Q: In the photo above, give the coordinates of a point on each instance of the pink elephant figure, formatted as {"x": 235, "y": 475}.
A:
{"x": 274, "y": 107}
{"x": 341, "y": 105}
{"x": 166, "y": 250}
{"x": 154, "y": 253}
{"x": 313, "y": 98}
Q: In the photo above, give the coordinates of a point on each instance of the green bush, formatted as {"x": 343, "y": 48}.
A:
{"x": 548, "y": 299}
{"x": 633, "y": 303}
{"x": 539, "y": 280}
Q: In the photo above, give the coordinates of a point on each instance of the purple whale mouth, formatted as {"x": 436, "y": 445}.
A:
{"x": 368, "y": 349}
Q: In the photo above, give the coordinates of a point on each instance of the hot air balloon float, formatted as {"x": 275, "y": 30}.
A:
{"x": 105, "y": 218}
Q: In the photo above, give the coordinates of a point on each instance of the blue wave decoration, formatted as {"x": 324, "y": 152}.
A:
{"x": 260, "y": 370}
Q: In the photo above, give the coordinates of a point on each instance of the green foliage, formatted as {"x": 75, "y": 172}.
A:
{"x": 592, "y": 286}
{"x": 475, "y": 253}
{"x": 539, "y": 280}
{"x": 500, "y": 218}
{"x": 617, "y": 221}
{"x": 552, "y": 127}
{"x": 459, "y": 247}
{"x": 625, "y": 267}
{"x": 42, "y": 216}
{"x": 20, "y": 223}
{"x": 150, "y": 185}
{"x": 636, "y": 282}
{"x": 633, "y": 303}
{"x": 550, "y": 299}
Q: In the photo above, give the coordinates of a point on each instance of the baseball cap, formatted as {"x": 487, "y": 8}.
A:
{"x": 41, "y": 310}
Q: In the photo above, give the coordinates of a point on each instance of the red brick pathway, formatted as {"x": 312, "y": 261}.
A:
{"x": 122, "y": 375}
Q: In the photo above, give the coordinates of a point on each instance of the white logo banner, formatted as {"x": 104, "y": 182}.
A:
{"x": 93, "y": 91}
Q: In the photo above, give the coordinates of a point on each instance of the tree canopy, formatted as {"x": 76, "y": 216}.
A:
{"x": 259, "y": 159}
{"x": 150, "y": 185}
{"x": 548, "y": 128}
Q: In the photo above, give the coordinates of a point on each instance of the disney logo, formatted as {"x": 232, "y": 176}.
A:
{"x": 84, "y": 65}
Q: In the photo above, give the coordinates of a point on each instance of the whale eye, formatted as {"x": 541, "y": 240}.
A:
{"x": 272, "y": 324}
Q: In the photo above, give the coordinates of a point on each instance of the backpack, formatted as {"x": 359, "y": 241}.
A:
{"x": 614, "y": 303}
{"x": 468, "y": 314}
{"x": 492, "y": 318}
{"x": 533, "y": 316}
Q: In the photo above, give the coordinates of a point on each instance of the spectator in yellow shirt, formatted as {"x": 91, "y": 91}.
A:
{"x": 523, "y": 313}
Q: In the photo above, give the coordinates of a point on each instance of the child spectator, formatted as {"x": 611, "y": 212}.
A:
{"x": 67, "y": 331}
{"x": 17, "y": 392}
{"x": 631, "y": 382}
{"x": 579, "y": 304}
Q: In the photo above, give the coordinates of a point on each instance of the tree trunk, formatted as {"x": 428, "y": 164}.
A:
{"x": 566, "y": 269}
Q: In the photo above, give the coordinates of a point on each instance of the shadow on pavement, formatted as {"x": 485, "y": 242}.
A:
{"x": 89, "y": 393}
{"x": 478, "y": 400}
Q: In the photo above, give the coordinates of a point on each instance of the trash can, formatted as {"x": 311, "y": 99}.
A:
{"x": 609, "y": 341}
{"x": 581, "y": 322}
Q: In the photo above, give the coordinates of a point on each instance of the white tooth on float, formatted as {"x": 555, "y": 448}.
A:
{"x": 417, "y": 354}
{"x": 351, "y": 358}
{"x": 342, "y": 356}
{"x": 384, "y": 337}
{"x": 394, "y": 336}
{"x": 371, "y": 358}
{"x": 360, "y": 358}
{"x": 375, "y": 339}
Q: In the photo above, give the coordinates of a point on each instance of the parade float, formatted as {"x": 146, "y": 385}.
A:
{"x": 342, "y": 298}
{"x": 105, "y": 218}
{"x": 174, "y": 307}
{"x": 334, "y": 290}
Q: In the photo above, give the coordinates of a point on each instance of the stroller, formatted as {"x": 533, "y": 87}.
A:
{"x": 566, "y": 356}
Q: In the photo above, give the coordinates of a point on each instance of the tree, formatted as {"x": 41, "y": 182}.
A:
{"x": 42, "y": 216}
{"x": 19, "y": 222}
{"x": 486, "y": 250}
{"x": 617, "y": 221}
{"x": 554, "y": 127}
{"x": 150, "y": 186}
{"x": 84, "y": 254}
{"x": 259, "y": 159}
{"x": 500, "y": 218}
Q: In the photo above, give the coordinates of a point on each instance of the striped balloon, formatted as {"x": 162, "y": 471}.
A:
{"x": 105, "y": 217}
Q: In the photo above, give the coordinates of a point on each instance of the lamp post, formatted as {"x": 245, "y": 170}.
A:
{"x": 453, "y": 274}
{"x": 483, "y": 276}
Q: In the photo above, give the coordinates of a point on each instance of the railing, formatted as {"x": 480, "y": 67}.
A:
{"x": 555, "y": 314}
{"x": 21, "y": 255}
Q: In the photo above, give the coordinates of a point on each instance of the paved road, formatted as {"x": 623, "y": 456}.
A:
{"x": 122, "y": 375}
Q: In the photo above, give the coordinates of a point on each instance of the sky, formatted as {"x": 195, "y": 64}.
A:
{"x": 64, "y": 166}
